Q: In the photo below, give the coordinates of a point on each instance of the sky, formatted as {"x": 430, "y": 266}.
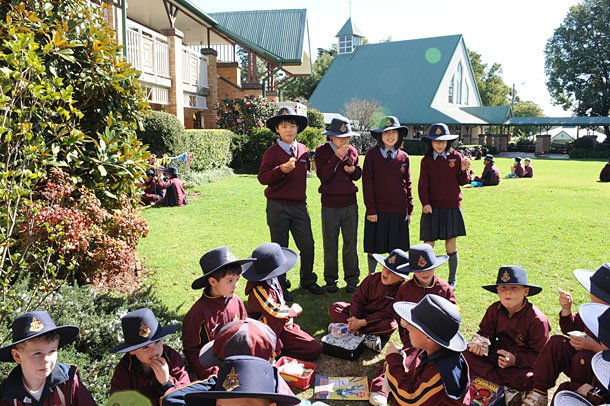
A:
{"x": 511, "y": 33}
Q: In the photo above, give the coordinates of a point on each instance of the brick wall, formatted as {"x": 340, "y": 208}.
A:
{"x": 209, "y": 115}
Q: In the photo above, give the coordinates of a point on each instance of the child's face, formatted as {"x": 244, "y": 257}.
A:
{"x": 389, "y": 138}
{"x": 389, "y": 278}
{"x": 595, "y": 299}
{"x": 148, "y": 352}
{"x": 339, "y": 141}
{"x": 245, "y": 402}
{"x": 226, "y": 286}
{"x": 418, "y": 339}
{"x": 439, "y": 146}
{"x": 37, "y": 358}
{"x": 425, "y": 278}
{"x": 511, "y": 296}
{"x": 527, "y": 163}
{"x": 287, "y": 131}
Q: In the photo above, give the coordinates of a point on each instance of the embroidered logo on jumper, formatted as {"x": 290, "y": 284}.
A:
{"x": 422, "y": 261}
{"x": 392, "y": 259}
{"x": 438, "y": 131}
{"x": 520, "y": 340}
{"x": 144, "y": 330}
{"x": 36, "y": 325}
{"x": 231, "y": 382}
{"x": 343, "y": 128}
{"x": 388, "y": 123}
{"x": 452, "y": 163}
{"x": 505, "y": 277}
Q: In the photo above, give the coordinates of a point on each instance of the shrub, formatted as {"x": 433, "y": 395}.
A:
{"x": 163, "y": 133}
{"x": 414, "y": 147}
{"x": 210, "y": 149}
{"x": 248, "y": 149}
{"x": 582, "y": 153}
{"x": 243, "y": 115}
{"x": 311, "y": 137}
{"x": 584, "y": 143}
{"x": 315, "y": 118}
{"x": 363, "y": 142}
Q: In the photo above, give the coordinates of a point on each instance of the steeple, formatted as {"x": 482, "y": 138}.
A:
{"x": 350, "y": 37}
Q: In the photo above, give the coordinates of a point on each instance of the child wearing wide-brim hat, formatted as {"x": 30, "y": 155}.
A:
{"x": 175, "y": 194}
{"x": 434, "y": 369}
{"x": 443, "y": 171}
{"x": 337, "y": 168}
{"x": 217, "y": 305}
{"x": 571, "y": 355}
{"x": 283, "y": 169}
{"x": 244, "y": 377}
{"x": 148, "y": 367}
{"x": 387, "y": 190}
{"x": 266, "y": 301}
{"x": 39, "y": 378}
{"x": 491, "y": 174}
{"x": 511, "y": 334}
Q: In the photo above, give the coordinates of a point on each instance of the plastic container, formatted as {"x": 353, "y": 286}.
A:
{"x": 338, "y": 329}
{"x": 300, "y": 382}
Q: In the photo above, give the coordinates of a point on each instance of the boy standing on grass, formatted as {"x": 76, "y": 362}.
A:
{"x": 38, "y": 379}
{"x": 217, "y": 306}
{"x": 283, "y": 169}
{"x": 511, "y": 335}
{"x": 337, "y": 167}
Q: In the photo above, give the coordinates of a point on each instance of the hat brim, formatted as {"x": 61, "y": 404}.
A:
{"x": 600, "y": 363}
{"x": 67, "y": 334}
{"x": 446, "y": 137}
{"x": 456, "y": 343}
{"x": 534, "y": 290}
{"x": 569, "y": 398}
{"x": 202, "y": 281}
{"x": 440, "y": 260}
{"x": 402, "y": 131}
{"x": 291, "y": 258}
{"x": 401, "y": 271}
{"x": 340, "y": 135}
{"x": 161, "y": 333}
{"x": 273, "y": 122}
{"x": 584, "y": 277}
{"x": 194, "y": 399}
{"x": 589, "y": 314}
{"x": 206, "y": 355}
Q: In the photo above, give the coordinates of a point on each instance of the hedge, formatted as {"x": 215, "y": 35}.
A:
{"x": 162, "y": 132}
{"x": 414, "y": 147}
{"x": 210, "y": 149}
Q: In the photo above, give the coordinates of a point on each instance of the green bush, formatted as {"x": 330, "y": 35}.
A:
{"x": 210, "y": 149}
{"x": 248, "y": 149}
{"x": 584, "y": 143}
{"x": 163, "y": 133}
{"x": 311, "y": 137}
{"x": 414, "y": 147}
{"x": 97, "y": 315}
{"x": 243, "y": 115}
{"x": 588, "y": 153}
{"x": 315, "y": 118}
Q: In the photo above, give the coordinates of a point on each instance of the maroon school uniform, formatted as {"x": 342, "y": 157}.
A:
{"x": 266, "y": 304}
{"x": 63, "y": 387}
{"x": 201, "y": 324}
{"x": 440, "y": 181}
{"x": 604, "y": 175}
{"x": 528, "y": 171}
{"x": 523, "y": 335}
{"x": 386, "y": 184}
{"x": 129, "y": 375}
{"x": 337, "y": 186}
{"x": 152, "y": 191}
{"x": 416, "y": 378}
{"x": 490, "y": 176}
{"x": 518, "y": 170}
{"x": 559, "y": 356}
{"x": 175, "y": 194}
{"x": 372, "y": 301}
{"x": 284, "y": 188}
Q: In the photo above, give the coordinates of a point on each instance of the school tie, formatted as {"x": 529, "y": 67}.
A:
{"x": 389, "y": 155}
{"x": 293, "y": 151}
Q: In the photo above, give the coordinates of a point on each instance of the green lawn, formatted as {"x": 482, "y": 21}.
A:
{"x": 550, "y": 225}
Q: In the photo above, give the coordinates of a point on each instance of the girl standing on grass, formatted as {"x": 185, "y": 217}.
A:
{"x": 386, "y": 185}
{"x": 443, "y": 171}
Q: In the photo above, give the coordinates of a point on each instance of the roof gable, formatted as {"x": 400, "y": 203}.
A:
{"x": 349, "y": 28}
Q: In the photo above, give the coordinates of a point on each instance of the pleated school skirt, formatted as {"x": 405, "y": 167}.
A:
{"x": 441, "y": 224}
{"x": 389, "y": 232}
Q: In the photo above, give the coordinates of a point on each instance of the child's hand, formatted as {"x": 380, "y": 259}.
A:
{"x": 161, "y": 369}
{"x": 297, "y": 308}
{"x": 372, "y": 218}
{"x": 354, "y": 324}
{"x": 584, "y": 389}
{"x": 349, "y": 169}
{"x": 341, "y": 151}
{"x": 427, "y": 209}
{"x": 465, "y": 163}
{"x": 476, "y": 349}
{"x": 506, "y": 359}
{"x": 289, "y": 165}
{"x": 565, "y": 300}
{"x": 585, "y": 342}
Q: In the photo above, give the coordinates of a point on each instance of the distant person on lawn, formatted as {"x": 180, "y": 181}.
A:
{"x": 604, "y": 175}
{"x": 152, "y": 191}
{"x": 283, "y": 170}
{"x": 528, "y": 170}
{"x": 516, "y": 171}
{"x": 338, "y": 169}
{"x": 175, "y": 194}
{"x": 491, "y": 174}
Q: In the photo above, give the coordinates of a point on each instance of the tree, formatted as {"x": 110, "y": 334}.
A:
{"x": 527, "y": 109}
{"x": 301, "y": 88}
{"x": 577, "y": 63}
{"x": 492, "y": 89}
{"x": 363, "y": 114}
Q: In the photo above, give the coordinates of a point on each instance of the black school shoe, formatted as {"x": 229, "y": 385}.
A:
{"x": 287, "y": 296}
{"x": 350, "y": 288}
{"x": 332, "y": 288}
{"x": 314, "y": 289}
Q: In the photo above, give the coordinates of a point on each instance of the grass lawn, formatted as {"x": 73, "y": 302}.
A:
{"x": 550, "y": 225}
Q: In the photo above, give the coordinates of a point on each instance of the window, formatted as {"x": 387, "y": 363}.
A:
{"x": 458, "y": 85}
{"x": 345, "y": 44}
{"x": 466, "y": 93}
{"x": 450, "y": 93}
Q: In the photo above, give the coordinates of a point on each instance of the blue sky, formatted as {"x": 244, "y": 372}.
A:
{"x": 510, "y": 33}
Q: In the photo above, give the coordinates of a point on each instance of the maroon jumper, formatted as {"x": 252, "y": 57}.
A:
{"x": 201, "y": 324}
{"x": 604, "y": 175}
{"x": 490, "y": 176}
{"x": 440, "y": 181}
{"x": 528, "y": 171}
{"x": 285, "y": 188}
{"x": 175, "y": 194}
{"x": 518, "y": 170}
{"x": 129, "y": 375}
{"x": 337, "y": 186}
{"x": 372, "y": 301}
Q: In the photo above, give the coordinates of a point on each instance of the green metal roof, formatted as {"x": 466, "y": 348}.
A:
{"x": 349, "y": 28}
{"x": 490, "y": 114}
{"x": 396, "y": 74}
{"x": 559, "y": 121}
{"x": 276, "y": 34}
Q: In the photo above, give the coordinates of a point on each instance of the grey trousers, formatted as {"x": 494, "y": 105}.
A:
{"x": 344, "y": 219}
{"x": 285, "y": 218}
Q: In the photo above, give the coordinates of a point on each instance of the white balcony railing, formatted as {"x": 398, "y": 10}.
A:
{"x": 194, "y": 68}
{"x": 147, "y": 50}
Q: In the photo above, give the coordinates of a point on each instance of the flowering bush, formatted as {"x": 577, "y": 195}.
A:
{"x": 243, "y": 115}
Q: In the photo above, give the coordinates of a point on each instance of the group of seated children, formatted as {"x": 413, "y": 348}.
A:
{"x": 162, "y": 187}
{"x": 518, "y": 171}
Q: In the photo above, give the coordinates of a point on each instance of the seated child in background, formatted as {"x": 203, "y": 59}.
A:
{"x": 516, "y": 171}
{"x": 38, "y": 378}
{"x": 491, "y": 174}
{"x": 433, "y": 371}
{"x": 370, "y": 311}
{"x": 604, "y": 175}
{"x": 572, "y": 356}
{"x": 266, "y": 301}
{"x": 175, "y": 194}
{"x": 217, "y": 306}
{"x": 528, "y": 170}
{"x": 152, "y": 191}
{"x": 511, "y": 334}
{"x": 148, "y": 366}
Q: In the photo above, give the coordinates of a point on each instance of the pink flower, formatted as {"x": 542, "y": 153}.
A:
{"x": 239, "y": 120}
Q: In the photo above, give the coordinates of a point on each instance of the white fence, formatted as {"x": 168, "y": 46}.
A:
{"x": 147, "y": 50}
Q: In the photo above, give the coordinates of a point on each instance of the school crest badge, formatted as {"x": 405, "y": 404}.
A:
{"x": 452, "y": 163}
{"x": 505, "y": 277}
{"x": 422, "y": 262}
{"x": 231, "y": 382}
{"x": 392, "y": 259}
{"x": 36, "y": 325}
{"x": 438, "y": 131}
{"x": 388, "y": 123}
{"x": 343, "y": 128}
{"x": 144, "y": 330}
{"x": 520, "y": 340}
